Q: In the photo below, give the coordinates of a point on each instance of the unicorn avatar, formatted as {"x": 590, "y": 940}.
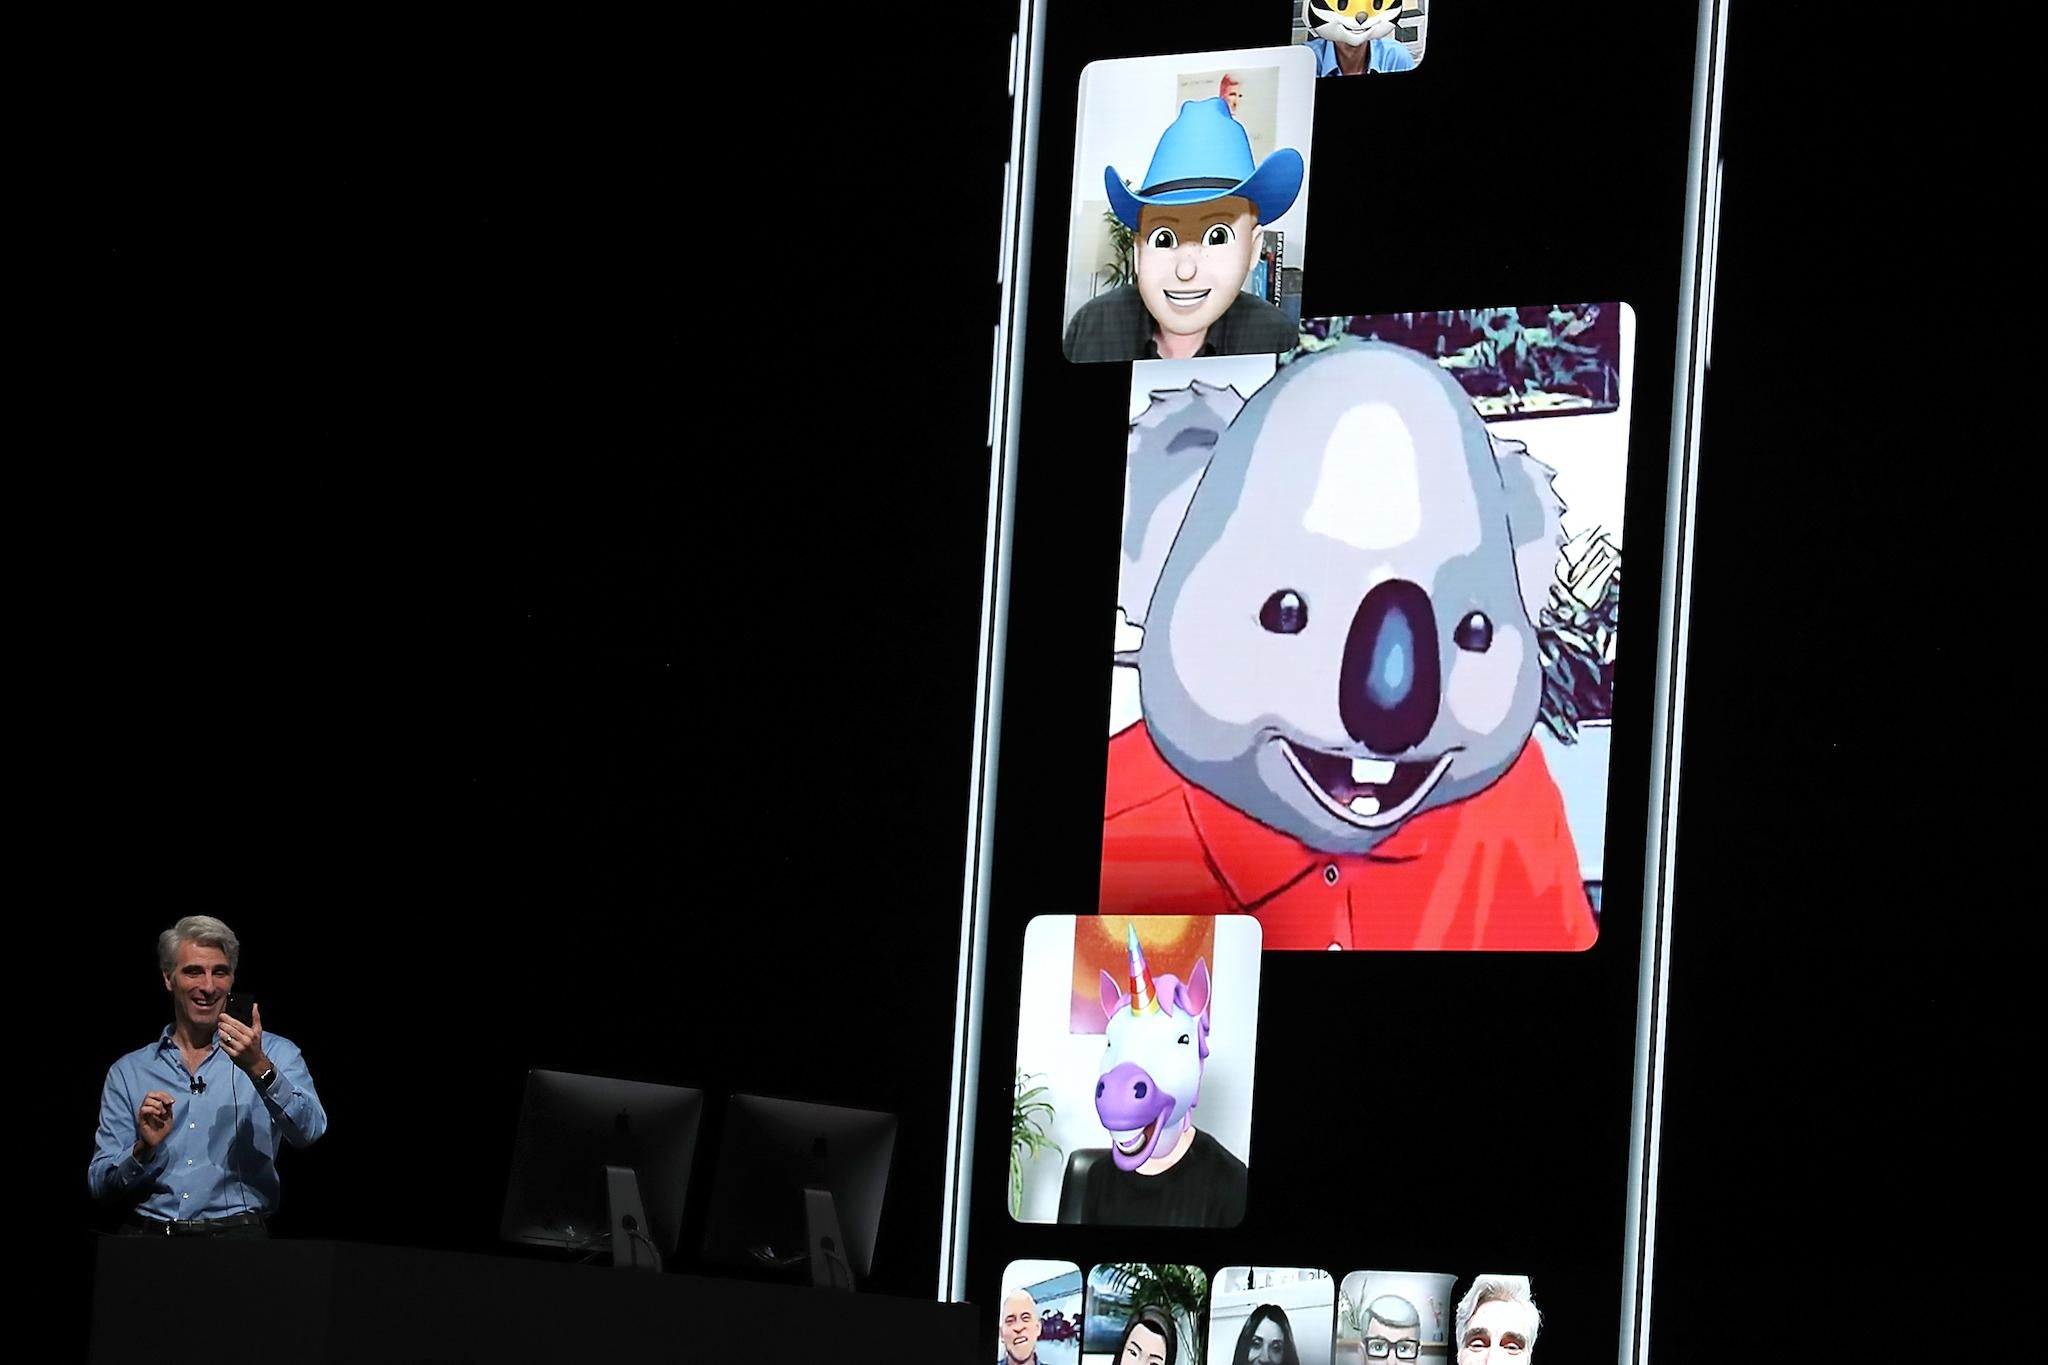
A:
{"x": 1152, "y": 1069}
{"x": 1162, "y": 1172}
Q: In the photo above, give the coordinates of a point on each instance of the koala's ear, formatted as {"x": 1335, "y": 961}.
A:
{"x": 1535, "y": 521}
{"x": 1170, "y": 445}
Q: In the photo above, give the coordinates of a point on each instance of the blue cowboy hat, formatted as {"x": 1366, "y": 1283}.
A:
{"x": 1206, "y": 155}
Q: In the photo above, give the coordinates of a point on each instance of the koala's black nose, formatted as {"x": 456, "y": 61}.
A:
{"x": 1391, "y": 682}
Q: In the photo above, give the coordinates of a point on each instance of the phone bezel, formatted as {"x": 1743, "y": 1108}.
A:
{"x": 1667, "y": 720}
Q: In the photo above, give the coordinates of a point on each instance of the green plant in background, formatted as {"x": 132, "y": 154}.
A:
{"x": 1123, "y": 256}
{"x": 1181, "y": 1290}
{"x": 1350, "y": 1316}
{"x": 1575, "y": 638}
{"x": 1030, "y": 1114}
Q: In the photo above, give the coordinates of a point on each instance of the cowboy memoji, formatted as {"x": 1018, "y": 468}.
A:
{"x": 1194, "y": 238}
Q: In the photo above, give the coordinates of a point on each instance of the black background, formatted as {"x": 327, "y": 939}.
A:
{"x": 481, "y": 545}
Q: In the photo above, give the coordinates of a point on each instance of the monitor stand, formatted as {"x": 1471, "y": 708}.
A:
{"x": 632, "y": 1248}
{"x": 829, "y": 1267}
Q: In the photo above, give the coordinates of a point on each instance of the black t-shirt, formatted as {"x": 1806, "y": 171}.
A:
{"x": 1204, "y": 1189}
{"x": 1115, "y": 327}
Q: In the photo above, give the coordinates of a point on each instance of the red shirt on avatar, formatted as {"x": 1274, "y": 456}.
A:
{"x": 1496, "y": 871}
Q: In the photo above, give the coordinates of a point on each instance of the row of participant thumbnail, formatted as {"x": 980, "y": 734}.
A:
{"x": 1125, "y": 1313}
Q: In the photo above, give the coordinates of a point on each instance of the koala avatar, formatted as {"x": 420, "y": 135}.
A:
{"x": 1339, "y": 586}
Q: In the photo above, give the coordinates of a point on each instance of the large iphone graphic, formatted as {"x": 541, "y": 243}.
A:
{"x": 1315, "y": 902}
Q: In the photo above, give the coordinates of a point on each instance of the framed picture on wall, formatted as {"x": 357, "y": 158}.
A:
{"x": 1253, "y": 93}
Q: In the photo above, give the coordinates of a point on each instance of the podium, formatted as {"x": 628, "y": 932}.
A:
{"x": 346, "y": 1301}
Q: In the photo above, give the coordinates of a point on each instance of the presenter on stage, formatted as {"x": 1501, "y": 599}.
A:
{"x": 190, "y": 1125}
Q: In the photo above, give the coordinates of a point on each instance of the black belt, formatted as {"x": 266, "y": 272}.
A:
{"x": 195, "y": 1227}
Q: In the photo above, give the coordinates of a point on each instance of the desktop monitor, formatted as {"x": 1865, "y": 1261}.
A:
{"x": 800, "y": 1183}
{"x": 602, "y": 1165}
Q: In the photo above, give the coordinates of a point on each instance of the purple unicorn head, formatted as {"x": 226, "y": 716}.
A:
{"x": 1151, "y": 1074}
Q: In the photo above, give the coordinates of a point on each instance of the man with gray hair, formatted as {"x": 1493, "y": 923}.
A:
{"x": 1393, "y": 1329}
{"x": 1497, "y": 1321}
{"x": 190, "y": 1126}
{"x": 1020, "y": 1328}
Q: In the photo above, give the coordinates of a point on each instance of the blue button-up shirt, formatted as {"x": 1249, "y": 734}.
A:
{"x": 1386, "y": 55}
{"x": 220, "y": 1157}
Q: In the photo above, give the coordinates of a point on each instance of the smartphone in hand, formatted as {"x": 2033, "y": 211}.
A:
{"x": 239, "y": 1007}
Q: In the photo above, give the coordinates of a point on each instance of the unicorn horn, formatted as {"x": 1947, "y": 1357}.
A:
{"x": 1143, "y": 1001}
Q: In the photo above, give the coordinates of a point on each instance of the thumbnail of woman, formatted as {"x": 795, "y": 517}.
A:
{"x": 1149, "y": 1339}
{"x": 1266, "y": 1339}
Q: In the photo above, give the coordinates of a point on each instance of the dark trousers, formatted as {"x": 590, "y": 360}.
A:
{"x": 149, "y": 1227}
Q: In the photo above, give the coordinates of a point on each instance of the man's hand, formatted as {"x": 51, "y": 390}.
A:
{"x": 244, "y": 1042}
{"x": 153, "y": 1119}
